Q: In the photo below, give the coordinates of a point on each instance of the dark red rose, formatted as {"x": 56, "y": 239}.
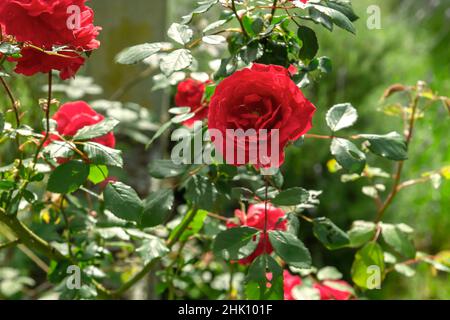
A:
{"x": 190, "y": 94}
{"x": 46, "y": 23}
{"x": 334, "y": 290}
{"x": 73, "y": 116}
{"x": 255, "y": 218}
{"x": 34, "y": 61}
{"x": 260, "y": 98}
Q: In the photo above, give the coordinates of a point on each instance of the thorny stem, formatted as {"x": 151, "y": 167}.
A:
{"x": 233, "y": 8}
{"x": 14, "y": 102}
{"x": 47, "y": 120}
{"x": 274, "y": 8}
{"x": 395, "y": 188}
{"x": 10, "y": 244}
{"x": 66, "y": 219}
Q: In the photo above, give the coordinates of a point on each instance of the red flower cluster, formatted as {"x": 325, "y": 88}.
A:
{"x": 328, "y": 290}
{"x": 73, "y": 116}
{"x": 264, "y": 99}
{"x": 43, "y": 25}
{"x": 190, "y": 94}
{"x": 255, "y": 218}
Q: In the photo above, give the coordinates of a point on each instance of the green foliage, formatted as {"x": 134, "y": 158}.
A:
{"x": 236, "y": 243}
{"x": 68, "y": 177}
{"x": 123, "y": 201}
{"x": 290, "y": 249}
{"x": 348, "y": 155}
{"x": 329, "y": 234}
{"x": 368, "y": 257}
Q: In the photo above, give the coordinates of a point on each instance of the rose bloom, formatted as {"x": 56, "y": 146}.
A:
{"x": 35, "y": 61}
{"x": 190, "y": 94}
{"x": 255, "y": 218}
{"x": 328, "y": 290}
{"x": 290, "y": 281}
{"x": 334, "y": 290}
{"x": 46, "y": 24}
{"x": 263, "y": 98}
{"x": 73, "y": 116}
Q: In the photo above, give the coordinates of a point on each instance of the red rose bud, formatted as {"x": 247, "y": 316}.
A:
{"x": 190, "y": 94}
{"x": 258, "y": 111}
{"x": 255, "y": 218}
{"x": 73, "y": 116}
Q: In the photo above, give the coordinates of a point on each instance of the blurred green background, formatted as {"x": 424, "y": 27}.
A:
{"x": 411, "y": 45}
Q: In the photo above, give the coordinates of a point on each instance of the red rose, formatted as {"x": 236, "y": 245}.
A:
{"x": 50, "y": 23}
{"x": 73, "y": 116}
{"x": 262, "y": 98}
{"x": 190, "y": 94}
{"x": 290, "y": 281}
{"x": 34, "y": 61}
{"x": 334, "y": 290}
{"x": 255, "y": 218}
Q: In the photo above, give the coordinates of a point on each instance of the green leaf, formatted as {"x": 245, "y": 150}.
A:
{"x": 180, "y": 110}
{"x": 194, "y": 226}
{"x": 329, "y": 273}
{"x": 319, "y": 17}
{"x": 140, "y": 52}
{"x": 236, "y": 243}
{"x": 348, "y": 155}
{"x": 257, "y": 284}
{"x": 291, "y": 197}
{"x": 182, "y": 117}
{"x": 361, "y": 232}
{"x": 163, "y": 128}
{"x": 123, "y": 201}
{"x": 152, "y": 248}
{"x": 203, "y": 193}
{"x": 215, "y": 25}
{"x": 180, "y": 33}
{"x": 329, "y": 234}
{"x": 405, "y": 270}
{"x": 337, "y": 17}
{"x": 97, "y": 173}
{"x": 325, "y": 65}
{"x": 399, "y": 240}
{"x": 204, "y": 7}
{"x": 251, "y": 52}
{"x": 391, "y": 146}
{"x": 368, "y": 260}
{"x": 343, "y": 6}
{"x": 175, "y": 61}
{"x": 289, "y": 248}
{"x": 9, "y": 49}
{"x": 156, "y": 208}
{"x": 100, "y": 154}
{"x": 97, "y": 130}
{"x": 68, "y": 177}
{"x": 59, "y": 149}
{"x": 162, "y": 169}
{"x": 341, "y": 116}
{"x": 310, "y": 45}
{"x": 214, "y": 39}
